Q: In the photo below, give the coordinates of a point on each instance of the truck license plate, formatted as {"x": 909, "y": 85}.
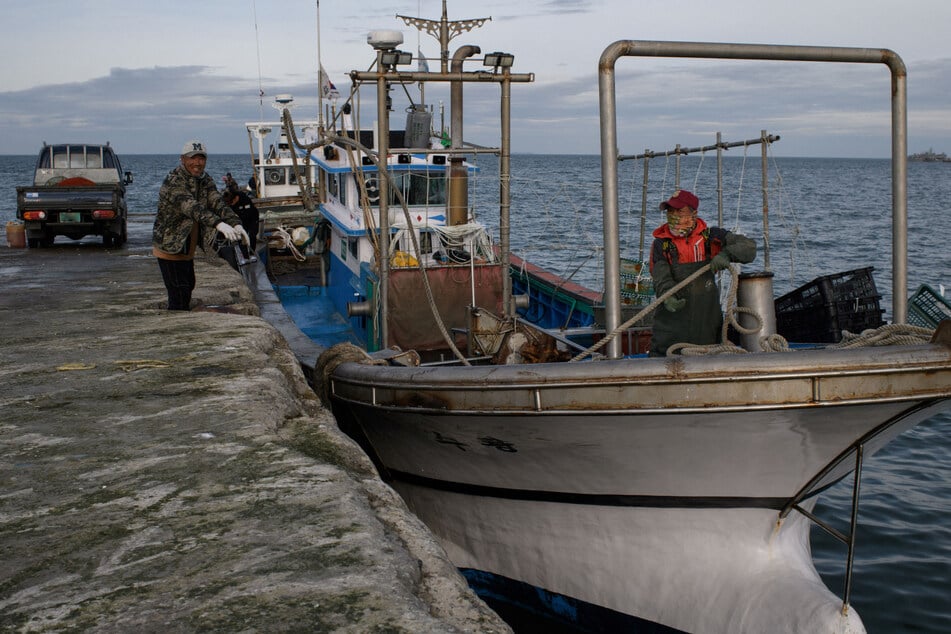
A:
{"x": 71, "y": 216}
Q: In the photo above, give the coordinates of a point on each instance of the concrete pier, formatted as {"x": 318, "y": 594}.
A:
{"x": 173, "y": 472}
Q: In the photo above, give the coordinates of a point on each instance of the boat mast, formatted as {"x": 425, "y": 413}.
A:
{"x": 443, "y": 31}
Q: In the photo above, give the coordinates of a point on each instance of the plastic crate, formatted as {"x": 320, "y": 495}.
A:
{"x": 927, "y": 308}
{"x": 819, "y": 311}
{"x": 637, "y": 286}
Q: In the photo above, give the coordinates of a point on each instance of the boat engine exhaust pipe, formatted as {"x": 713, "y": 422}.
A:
{"x": 755, "y": 291}
{"x": 458, "y": 176}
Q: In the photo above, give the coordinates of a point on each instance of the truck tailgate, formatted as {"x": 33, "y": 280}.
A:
{"x": 66, "y": 197}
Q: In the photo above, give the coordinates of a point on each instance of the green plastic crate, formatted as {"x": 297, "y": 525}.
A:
{"x": 927, "y": 308}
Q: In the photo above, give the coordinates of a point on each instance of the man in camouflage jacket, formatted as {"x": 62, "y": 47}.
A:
{"x": 189, "y": 203}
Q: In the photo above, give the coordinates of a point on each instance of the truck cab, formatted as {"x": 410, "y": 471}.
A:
{"x": 78, "y": 190}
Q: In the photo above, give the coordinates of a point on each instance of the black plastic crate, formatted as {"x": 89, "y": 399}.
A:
{"x": 819, "y": 311}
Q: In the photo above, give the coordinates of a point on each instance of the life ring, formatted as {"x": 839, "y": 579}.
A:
{"x": 373, "y": 190}
{"x": 274, "y": 176}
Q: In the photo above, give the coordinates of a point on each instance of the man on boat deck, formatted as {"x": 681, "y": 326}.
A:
{"x": 681, "y": 246}
{"x": 189, "y": 203}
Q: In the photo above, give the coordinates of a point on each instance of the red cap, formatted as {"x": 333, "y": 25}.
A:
{"x": 681, "y": 198}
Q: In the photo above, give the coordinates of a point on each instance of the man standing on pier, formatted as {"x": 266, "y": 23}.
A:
{"x": 189, "y": 203}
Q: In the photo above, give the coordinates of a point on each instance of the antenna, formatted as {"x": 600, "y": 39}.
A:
{"x": 443, "y": 30}
{"x": 257, "y": 44}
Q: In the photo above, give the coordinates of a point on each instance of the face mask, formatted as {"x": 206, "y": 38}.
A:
{"x": 680, "y": 224}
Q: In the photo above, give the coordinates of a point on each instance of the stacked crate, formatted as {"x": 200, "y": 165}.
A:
{"x": 818, "y": 312}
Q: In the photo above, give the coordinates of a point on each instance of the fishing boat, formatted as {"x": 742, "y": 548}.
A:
{"x": 614, "y": 490}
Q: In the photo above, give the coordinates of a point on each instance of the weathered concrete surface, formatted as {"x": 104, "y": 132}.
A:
{"x": 173, "y": 472}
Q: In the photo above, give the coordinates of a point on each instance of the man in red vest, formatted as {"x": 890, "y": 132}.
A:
{"x": 682, "y": 245}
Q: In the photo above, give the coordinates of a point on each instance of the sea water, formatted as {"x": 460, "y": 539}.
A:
{"x": 824, "y": 216}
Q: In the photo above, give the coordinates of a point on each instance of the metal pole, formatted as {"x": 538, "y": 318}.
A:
{"x": 505, "y": 189}
{"x": 899, "y": 188}
{"x": 640, "y": 255}
{"x": 676, "y": 168}
{"x": 383, "y": 148}
{"x": 853, "y": 526}
{"x": 609, "y": 188}
{"x": 719, "y": 181}
{"x": 705, "y": 50}
{"x": 765, "y": 188}
{"x": 685, "y": 151}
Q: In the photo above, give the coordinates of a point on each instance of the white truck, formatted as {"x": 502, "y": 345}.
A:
{"x": 78, "y": 190}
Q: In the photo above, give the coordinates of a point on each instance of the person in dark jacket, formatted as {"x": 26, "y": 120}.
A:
{"x": 242, "y": 205}
{"x": 681, "y": 246}
{"x": 189, "y": 203}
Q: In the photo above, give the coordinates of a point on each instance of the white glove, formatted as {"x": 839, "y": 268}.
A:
{"x": 243, "y": 235}
{"x": 229, "y": 232}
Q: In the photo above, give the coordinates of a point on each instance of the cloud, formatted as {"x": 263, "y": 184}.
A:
{"x": 145, "y": 110}
{"x": 818, "y": 109}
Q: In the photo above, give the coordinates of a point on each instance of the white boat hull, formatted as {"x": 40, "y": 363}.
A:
{"x": 696, "y": 570}
{"x": 668, "y": 490}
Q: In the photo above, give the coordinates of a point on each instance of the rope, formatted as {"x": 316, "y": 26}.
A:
{"x": 887, "y": 335}
{"x": 739, "y": 188}
{"x": 692, "y": 350}
{"x": 733, "y": 310}
{"x": 774, "y": 343}
{"x": 285, "y": 241}
{"x": 696, "y": 176}
{"x": 330, "y": 359}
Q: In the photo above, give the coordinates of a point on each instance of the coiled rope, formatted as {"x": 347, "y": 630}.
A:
{"x": 330, "y": 359}
{"x": 887, "y": 335}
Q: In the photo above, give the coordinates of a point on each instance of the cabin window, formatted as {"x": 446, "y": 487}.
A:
{"x": 426, "y": 242}
{"x": 340, "y": 183}
{"x": 434, "y": 187}
{"x": 60, "y": 157}
{"x": 77, "y": 157}
{"x": 348, "y": 248}
{"x": 419, "y": 189}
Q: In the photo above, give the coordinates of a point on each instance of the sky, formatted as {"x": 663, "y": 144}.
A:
{"x": 147, "y": 76}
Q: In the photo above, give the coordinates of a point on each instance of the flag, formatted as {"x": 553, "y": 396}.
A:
{"x": 327, "y": 88}
{"x": 422, "y": 64}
